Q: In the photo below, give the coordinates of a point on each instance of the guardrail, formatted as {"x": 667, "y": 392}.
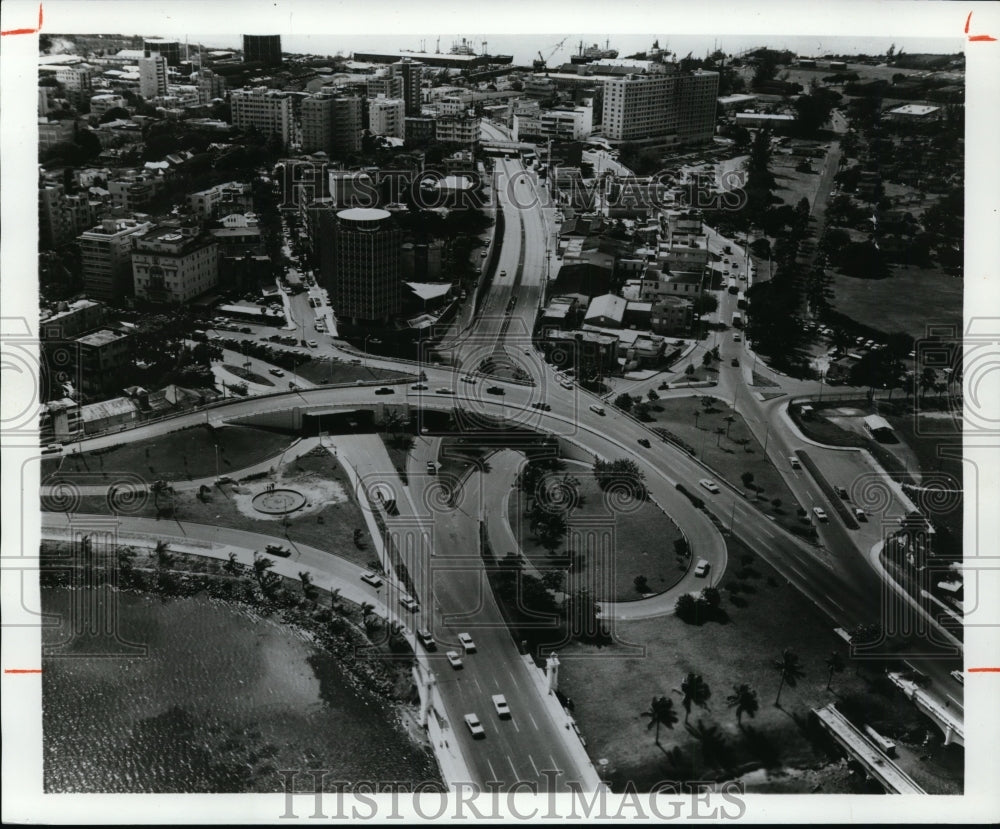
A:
{"x": 828, "y": 490}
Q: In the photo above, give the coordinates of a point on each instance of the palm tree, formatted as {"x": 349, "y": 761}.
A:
{"x": 720, "y": 431}
{"x": 335, "y": 605}
{"x": 789, "y": 669}
{"x": 366, "y": 609}
{"x": 695, "y": 691}
{"x": 835, "y": 662}
{"x": 261, "y": 566}
{"x": 661, "y": 712}
{"x": 730, "y": 419}
{"x": 163, "y": 557}
{"x": 232, "y": 566}
{"x": 744, "y": 700}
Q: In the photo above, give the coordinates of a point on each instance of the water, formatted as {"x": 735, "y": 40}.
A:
{"x": 220, "y": 703}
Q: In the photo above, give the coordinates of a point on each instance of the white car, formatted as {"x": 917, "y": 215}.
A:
{"x": 820, "y": 513}
{"x": 409, "y": 603}
{"x": 454, "y": 659}
{"x": 475, "y": 726}
{"x": 701, "y": 568}
{"x": 372, "y": 579}
{"x": 313, "y": 344}
{"x": 958, "y": 676}
{"x": 711, "y": 486}
{"x": 467, "y": 643}
{"x": 794, "y": 461}
{"x": 277, "y": 372}
{"x": 500, "y": 703}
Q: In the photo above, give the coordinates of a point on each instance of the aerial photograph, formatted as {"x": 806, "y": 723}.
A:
{"x": 539, "y": 414}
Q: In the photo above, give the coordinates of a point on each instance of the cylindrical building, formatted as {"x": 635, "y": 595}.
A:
{"x": 365, "y": 281}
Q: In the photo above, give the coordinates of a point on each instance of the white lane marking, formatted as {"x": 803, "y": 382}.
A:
{"x": 514, "y": 723}
{"x": 533, "y": 721}
{"x": 532, "y": 761}
{"x": 516, "y": 776}
{"x": 492, "y": 770}
{"x": 478, "y": 686}
{"x": 555, "y": 765}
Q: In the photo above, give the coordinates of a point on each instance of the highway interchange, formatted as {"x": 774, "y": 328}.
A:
{"x": 839, "y": 575}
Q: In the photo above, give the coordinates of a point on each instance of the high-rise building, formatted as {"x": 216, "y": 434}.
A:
{"x": 170, "y": 49}
{"x": 106, "y": 256}
{"x": 56, "y": 220}
{"x": 77, "y": 83}
{"x": 386, "y": 117}
{"x": 267, "y": 110}
{"x": 265, "y": 49}
{"x": 331, "y": 124}
{"x": 210, "y": 86}
{"x": 388, "y": 85}
{"x": 364, "y": 284}
{"x": 460, "y": 129}
{"x": 173, "y": 264}
{"x": 411, "y": 72}
{"x": 152, "y": 76}
{"x": 661, "y": 108}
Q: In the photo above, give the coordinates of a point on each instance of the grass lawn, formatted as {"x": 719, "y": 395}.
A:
{"x": 792, "y": 186}
{"x": 729, "y": 456}
{"x": 327, "y": 370}
{"x": 335, "y": 533}
{"x": 246, "y": 374}
{"x": 178, "y": 456}
{"x": 610, "y": 689}
{"x": 456, "y": 456}
{"x": 643, "y": 542}
{"x": 398, "y": 445}
{"x": 902, "y": 302}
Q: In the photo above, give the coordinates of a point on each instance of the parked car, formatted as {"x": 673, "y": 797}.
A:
{"x": 475, "y": 726}
{"x": 820, "y": 513}
{"x": 701, "y": 568}
{"x": 277, "y": 372}
{"x": 467, "y": 643}
{"x": 454, "y": 659}
{"x": 710, "y": 485}
{"x": 313, "y": 344}
{"x": 495, "y": 390}
{"x": 425, "y": 639}
{"x": 409, "y": 603}
{"x": 372, "y": 579}
{"x": 500, "y": 704}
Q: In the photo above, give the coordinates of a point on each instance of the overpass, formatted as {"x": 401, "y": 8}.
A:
{"x": 950, "y": 722}
{"x": 892, "y": 778}
{"x": 507, "y": 147}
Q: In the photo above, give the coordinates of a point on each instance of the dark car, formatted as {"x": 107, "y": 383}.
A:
{"x": 277, "y": 550}
{"x": 735, "y": 363}
{"x": 841, "y": 491}
{"x": 384, "y": 390}
{"x": 644, "y": 442}
{"x": 495, "y": 390}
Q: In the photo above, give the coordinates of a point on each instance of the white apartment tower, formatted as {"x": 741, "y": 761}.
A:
{"x": 267, "y": 110}
{"x": 152, "y": 76}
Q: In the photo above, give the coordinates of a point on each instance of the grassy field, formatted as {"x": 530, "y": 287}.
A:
{"x": 331, "y": 528}
{"x": 643, "y": 542}
{"x": 328, "y": 370}
{"x": 610, "y": 689}
{"x": 910, "y": 300}
{"x": 179, "y": 456}
{"x": 729, "y": 456}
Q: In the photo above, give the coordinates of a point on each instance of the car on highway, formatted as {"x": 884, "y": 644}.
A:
{"x": 277, "y": 372}
{"x": 409, "y": 603}
{"x": 737, "y": 338}
{"x": 372, "y": 579}
{"x": 454, "y": 659}
{"x": 277, "y": 550}
{"x": 735, "y": 363}
{"x": 820, "y": 513}
{"x": 313, "y": 344}
{"x": 223, "y": 479}
{"x": 958, "y": 676}
{"x": 467, "y": 644}
{"x": 710, "y": 485}
{"x": 566, "y": 384}
{"x": 384, "y": 390}
{"x": 475, "y": 726}
{"x": 860, "y": 514}
{"x": 246, "y": 330}
{"x": 495, "y": 390}
{"x": 52, "y": 449}
{"x": 501, "y": 706}
{"x": 503, "y": 273}
{"x": 418, "y": 387}
{"x": 468, "y": 379}
{"x": 597, "y": 409}
{"x": 443, "y": 390}
{"x": 841, "y": 491}
{"x": 483, "y": 254}
{"x": 701, "y": 568}
{"x": 538, "y": 404}
{"x": 431, "y": 468}
{"x": 794, "y": 461}
{"x": 644, "y": 442}
{"x": 425, "y": 639}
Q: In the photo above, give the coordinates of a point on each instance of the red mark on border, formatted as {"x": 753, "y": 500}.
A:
{"x": 22, "y": 670}
{"x": 976, "y": 37}
{"x": 27, "y": 31}
{"x": 983, "y": 670}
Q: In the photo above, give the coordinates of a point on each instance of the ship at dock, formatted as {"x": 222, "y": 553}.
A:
{"x": 593, "y": 52}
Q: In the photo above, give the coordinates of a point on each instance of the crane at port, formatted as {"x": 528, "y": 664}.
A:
{"x": 544, "y": 59}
